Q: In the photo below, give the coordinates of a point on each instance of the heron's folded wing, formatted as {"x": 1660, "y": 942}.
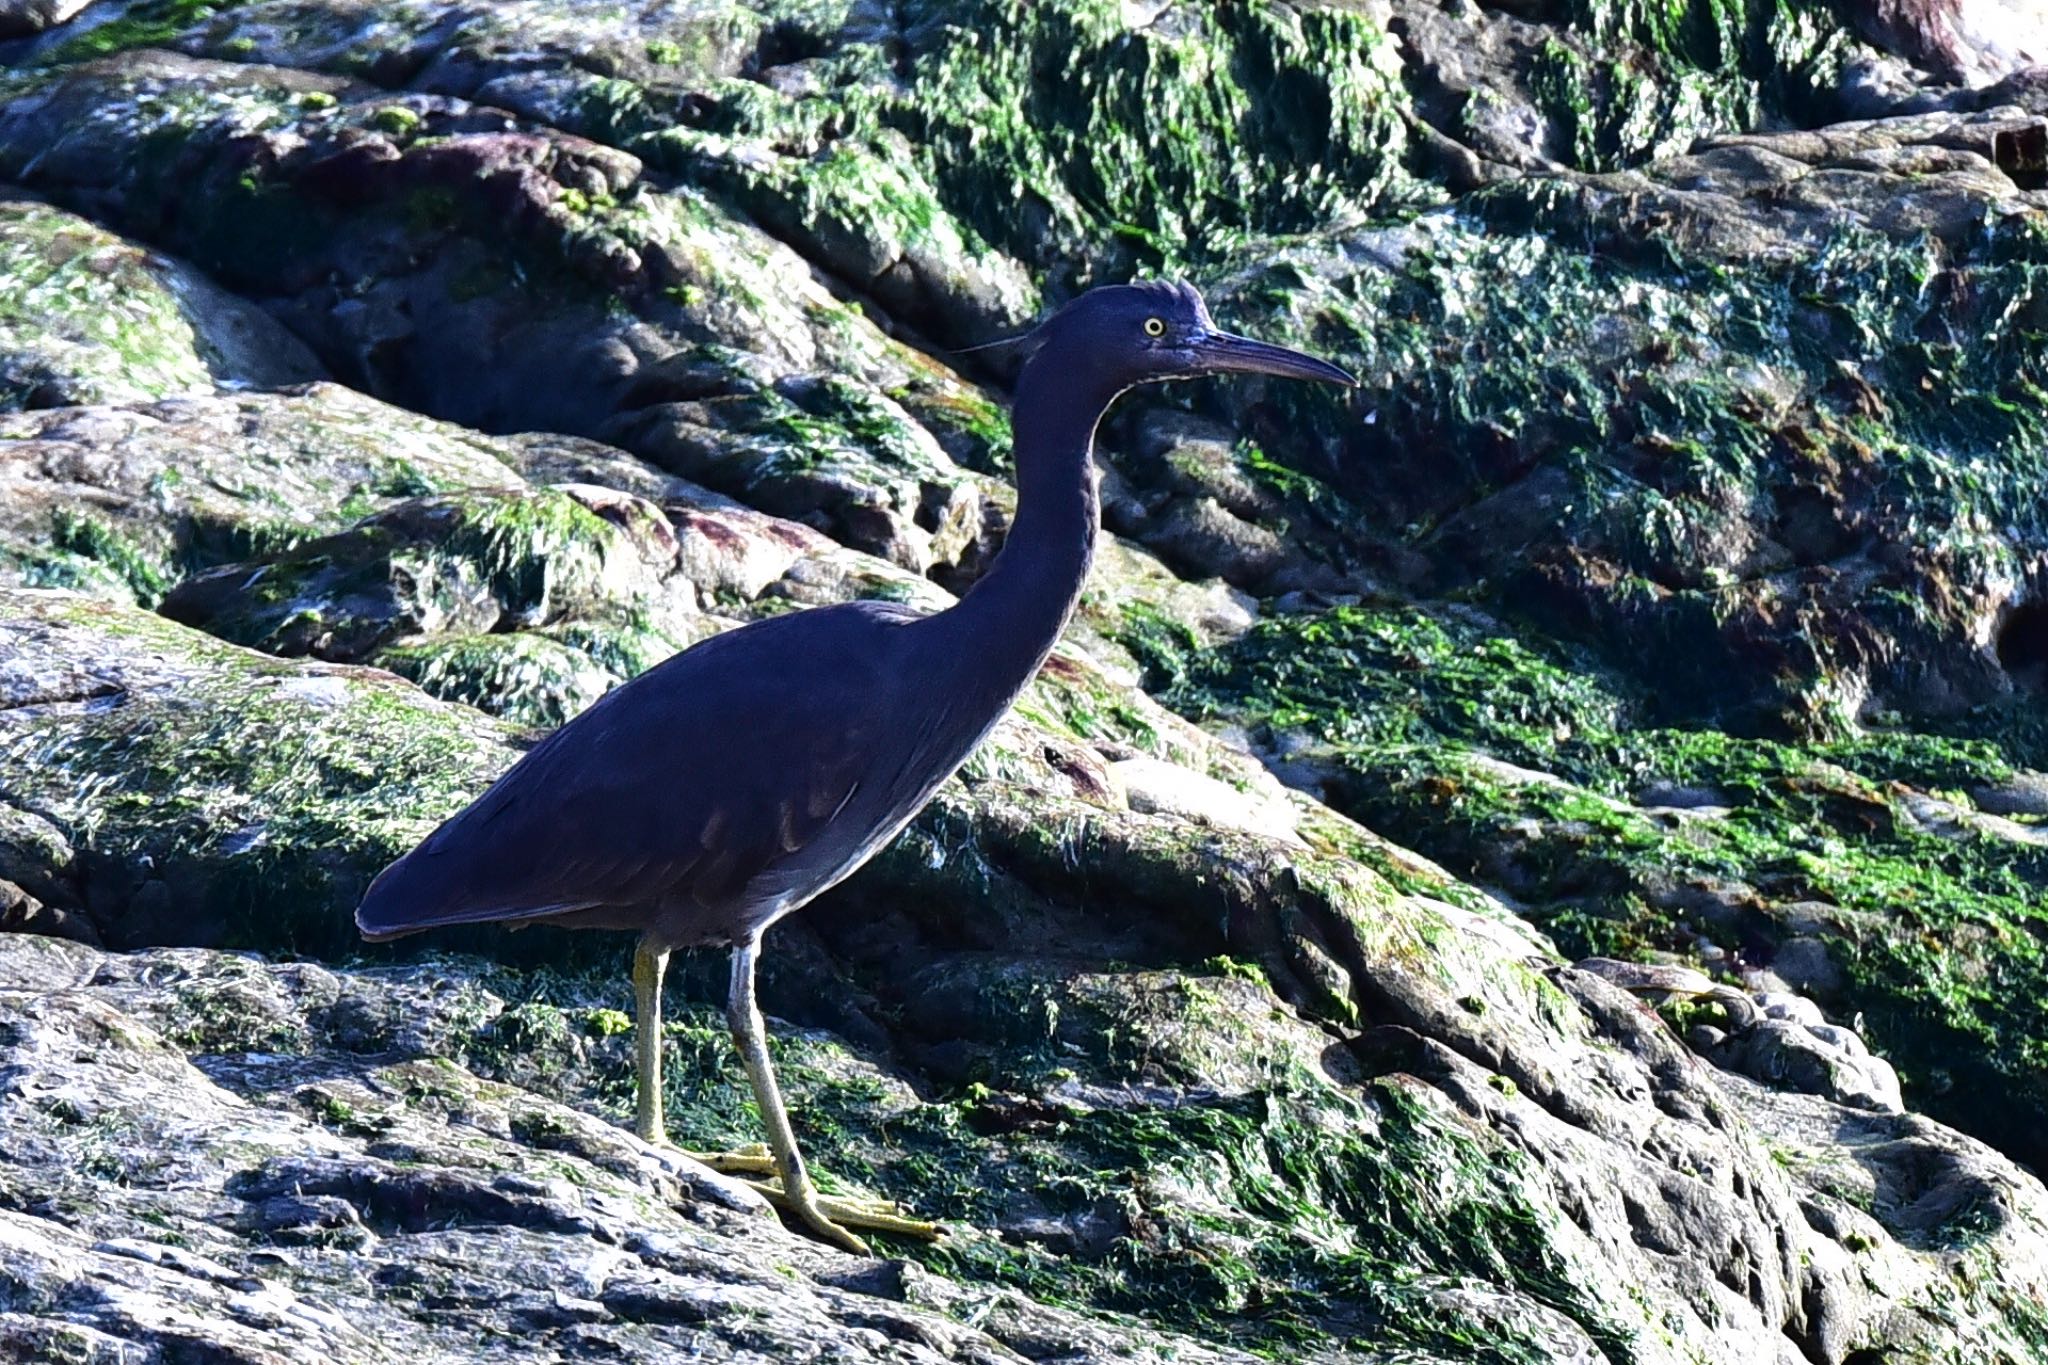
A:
{"x": 691, "y": 780}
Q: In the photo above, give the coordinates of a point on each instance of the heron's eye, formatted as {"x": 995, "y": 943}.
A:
{"x": 1154, "y": 327}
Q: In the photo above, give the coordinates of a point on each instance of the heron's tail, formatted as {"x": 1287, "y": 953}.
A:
{"x": 412, "y": 895}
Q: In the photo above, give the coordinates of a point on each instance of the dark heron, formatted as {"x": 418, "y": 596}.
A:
{"x": 712, "y": 795}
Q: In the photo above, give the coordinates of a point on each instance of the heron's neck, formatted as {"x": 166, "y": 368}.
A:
{"x": 1017, "y": 609}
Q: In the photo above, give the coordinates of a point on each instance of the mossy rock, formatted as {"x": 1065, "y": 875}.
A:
{"x": 528, "y": 677}
{"x": 1545, "y": 775}
{"x": 606, "y": 303}
{"x": 87, "y": 317}
{"x": 222, "y": 796}
{"x": 834, "y": 454}
{"x": 182, "y": 486}
{"x": 1716, "y": 448}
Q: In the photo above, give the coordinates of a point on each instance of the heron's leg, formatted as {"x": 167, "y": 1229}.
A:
{"x": 752, "y": 1037}
{"x": 648, "y": 967}
{"x": 824, "y": 1216}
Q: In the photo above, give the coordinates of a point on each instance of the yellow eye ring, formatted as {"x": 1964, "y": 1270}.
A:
{"x": 1154, "y": 327}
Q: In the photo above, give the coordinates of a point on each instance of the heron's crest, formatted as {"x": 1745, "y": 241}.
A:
{"x": 1152, "y": 330}
{"x": 1173, "y": 300}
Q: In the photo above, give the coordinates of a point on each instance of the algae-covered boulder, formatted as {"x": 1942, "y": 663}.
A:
{"x": 1755, "y": 420}
{"x": 529, "y": 602}
{"x": 536, "y": 601}
{"x": 513, "y": 277}
{"x": 1761, "y": 463}
{"x": 1259, "y": 1091}
{"x": 86, "y": 317}
{"x": 192, "y": 1175}
{"x": 1856, "y": 870}
{"x": 124, "y": 500}
{"x": 188, "y": 790}
{"x": 164, "y": 768}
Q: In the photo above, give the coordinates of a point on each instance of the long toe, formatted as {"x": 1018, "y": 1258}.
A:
{"x": 753, "y": 1159}
{"x": 832, "y": 1218}
{"x": 813, "y": 1217}
{"x": 878, "y": 1215}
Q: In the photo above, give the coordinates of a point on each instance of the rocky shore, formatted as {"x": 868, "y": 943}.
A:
{"x": 1540, "y": 859}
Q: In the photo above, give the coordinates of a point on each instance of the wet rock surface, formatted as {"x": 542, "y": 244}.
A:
{"x": 123, "y": 501}
{"x": 92, "y": 318}
{"x": 293, "y": 1157}
{"x": 383, "y": 380}
{"x": 309, "y": 1200}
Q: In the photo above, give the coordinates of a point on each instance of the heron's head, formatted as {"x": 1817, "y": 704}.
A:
{"x": 1160, "y": 329}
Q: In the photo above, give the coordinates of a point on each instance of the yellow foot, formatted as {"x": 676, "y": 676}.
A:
{"x": 829, "y": 1217}
{"x": 832, "y": 1216}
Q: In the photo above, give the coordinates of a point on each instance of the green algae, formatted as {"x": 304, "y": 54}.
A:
{"x": 523, "y": 603}
{"x": 1154, "y": 147}
{"x": 533, "y": 550}
{"x": 262, "y": 792}
{"x": 231, "y": 480}
{"x": 1626, "y": 81}
{"x": 1937, "y": 930}
{"x": 94, "y": 538}
{"x": 524, "y": 677}
{"x": 972, "y": 429}
{"x": 834, "y": 411}
{"x": 40, "y": 566}
{"x": 92, "y": 313}
{"x": 150, "y": 23}
{"x": 483, "y": 559}
{"x": 220, "y": 1016}
{"x": 1151, "y": 158}
{"x": 1286, "y": 1215}
{"x": 1607, "y": 418}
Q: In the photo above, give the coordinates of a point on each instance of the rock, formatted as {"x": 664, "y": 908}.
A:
{"x": 1159, "y": 788}
{"x": 1506, "y": 766}
{"x": 19, "y": 18}
{"x": 328, "y": 1172}
{"x": 1793, "y": 1008}
{"x": 1671, "y": 796}
{"x": 90, "y": 318}
{"x": 1975, "y": 42}
{"x": 1693, "y": 462}
{"x": 1786, "y": 1052}
{"x": 1946, "y": 819}
{"x": 1805, "y": 964}
{"x": 121, "y": 500}
{"x": 530, "y": 602}
{"x": 1777, "y": 1038}
{"x": 1301, "y": 932}
{"x": 1834, "y": 1035}
{"x": 1212, "y": 505}
{"x": 196, "y": 859}
{"x": 1201, "y": 538}
{"x": 1475, "y": 476}
{"x": 822, "y": 451}
{"x": 262, "y": 1221}
{"x": 705, "y": 358}
{"x": 2020, "y": 793}
{"x": 21, "y": 913}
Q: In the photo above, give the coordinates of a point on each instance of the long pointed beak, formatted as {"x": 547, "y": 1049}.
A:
{"x": 1219, "y": 352}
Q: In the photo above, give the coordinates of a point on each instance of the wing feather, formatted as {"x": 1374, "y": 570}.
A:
{"x": 692, "y": 780}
